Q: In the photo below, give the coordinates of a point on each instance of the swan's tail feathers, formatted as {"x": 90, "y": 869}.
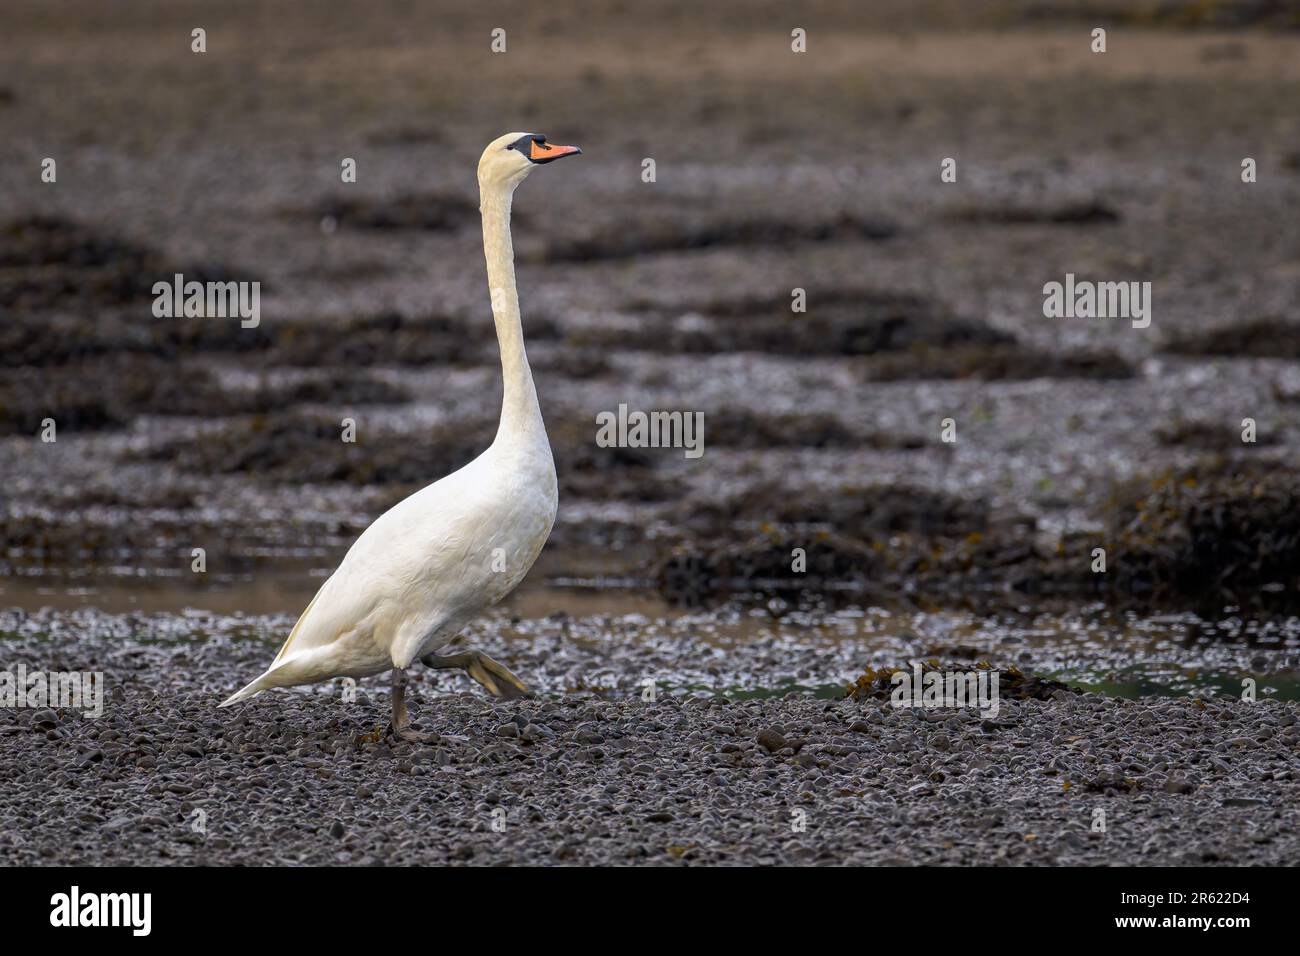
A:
{"x": 252, "y": 690}
{"x": 298, "y": 626}
{"x": 263, "y": 682}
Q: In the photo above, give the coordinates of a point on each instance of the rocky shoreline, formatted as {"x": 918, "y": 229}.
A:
{"x": 586, "y": 775}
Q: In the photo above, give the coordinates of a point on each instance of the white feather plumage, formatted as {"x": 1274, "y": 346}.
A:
{"x": 434, "y": 561}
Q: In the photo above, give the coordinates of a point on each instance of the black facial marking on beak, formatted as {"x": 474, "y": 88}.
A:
{"x": 539, "y": 151}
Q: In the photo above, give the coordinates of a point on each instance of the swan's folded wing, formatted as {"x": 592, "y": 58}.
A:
{"x": 403, "y": 550}
{"x": 339, "y": 606}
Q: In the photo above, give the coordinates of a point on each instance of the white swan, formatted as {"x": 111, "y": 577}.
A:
{"x": 434, "y": 561}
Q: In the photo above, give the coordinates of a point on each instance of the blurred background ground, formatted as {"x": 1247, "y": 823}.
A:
{"x": 775, "y": 171}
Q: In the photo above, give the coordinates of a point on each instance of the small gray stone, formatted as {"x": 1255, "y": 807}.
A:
{"x": 1244, "y": 802}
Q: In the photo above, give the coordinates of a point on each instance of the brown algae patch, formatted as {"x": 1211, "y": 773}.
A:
{"x": 111, "y": 392}
{"x": 878, "y": 683}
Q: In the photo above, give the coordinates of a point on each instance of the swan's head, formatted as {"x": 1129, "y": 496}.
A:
{"x": 510, "y": 158}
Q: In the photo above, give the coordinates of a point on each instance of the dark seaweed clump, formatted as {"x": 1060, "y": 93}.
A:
{"x": 1258, "y": 338}
{"x": 427, "y": 212}
{"x": 902, "y": 336}
{"x": 860, "y": 542}
{"x": 575, "y": 363}
{"x": 78, "y": 293}
{"x": 745, "y": 428}
{"x": 28, "y": 397}
{"x": 867, "y": 511}
{"x": 764, "y": 565}
{"x": 1176, "y": 14}
{"x": 1083, "y": 213}
{"x": 385, "y": 339}
{"x": 45, "y": 341}
{"x": 1216, "y": 535}
{"x": 302, "y": 448}
{"x": 388, "y": 338}
{"x": 842, "y": 322}
{"x": 1219, "y": 535}
{"x": 47, "y": 263}
{"x": 1210, "y": 437}
{"x": 588, "y": 471}
{"x": 110, "y": 393}
{"x": 996, "y": 363}
{"x": 876, "y": 683}
{"x": 307, "y": 449}
{"x": 648, "y": 234}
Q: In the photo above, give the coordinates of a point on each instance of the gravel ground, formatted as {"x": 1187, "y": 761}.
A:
{"x": 164, "y": 777}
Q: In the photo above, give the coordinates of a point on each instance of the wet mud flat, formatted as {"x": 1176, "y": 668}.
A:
{"x": 583, "y": 775}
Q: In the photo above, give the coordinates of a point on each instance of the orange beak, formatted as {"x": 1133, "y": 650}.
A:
{"x": 546, "y": 152}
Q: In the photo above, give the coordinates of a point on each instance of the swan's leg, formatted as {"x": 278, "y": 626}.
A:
{"x": 401, "y": 725}
{"x": 497, "y": 679}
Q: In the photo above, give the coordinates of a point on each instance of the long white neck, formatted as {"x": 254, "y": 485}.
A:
{"x": 521, "y": 416}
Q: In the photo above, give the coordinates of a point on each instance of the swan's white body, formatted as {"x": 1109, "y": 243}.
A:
{"x": 434, "y": 561}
